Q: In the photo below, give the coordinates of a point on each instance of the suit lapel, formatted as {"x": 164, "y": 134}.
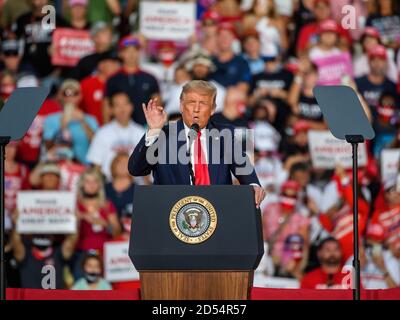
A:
{"x": 182, "y": 168}
{"x": 213, "y": 168}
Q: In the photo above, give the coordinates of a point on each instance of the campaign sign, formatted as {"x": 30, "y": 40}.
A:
{"x": 46, "y": 212}
{"x": 327, "y": 151}
{"x": 69, "y": 46}
{"x": 117, "y": 264}
{"x": 162, "y": 20}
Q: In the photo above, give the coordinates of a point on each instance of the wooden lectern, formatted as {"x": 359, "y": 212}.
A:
{"x": 216, "y": 261}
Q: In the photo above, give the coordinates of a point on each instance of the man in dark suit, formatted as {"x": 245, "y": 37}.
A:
{"x": 193, "y": 150}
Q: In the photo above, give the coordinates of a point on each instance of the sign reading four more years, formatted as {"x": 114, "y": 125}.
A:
{"x": 327, "y": 151}
{"x": 46, "y": 212}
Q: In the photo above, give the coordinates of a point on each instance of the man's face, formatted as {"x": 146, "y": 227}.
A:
{"x": 322, "y": 11}
{"x": 50, "y": 181}
{"x": 122, "y": 108}
{"x": 108, "y": 67}
{"x": 12, "y": 60}
{"x": 102, "y": 40}
{"x": 130, "y": 55}
{"x": 225, "y": 40}
{"x": 200, "y": 71}
{"x": 252, "y": 45}
{"x": 196, "y": 108}
{"x": 302, "y": 177}
{"x": 378, "y": 66}
{"x": 330, "y": 254}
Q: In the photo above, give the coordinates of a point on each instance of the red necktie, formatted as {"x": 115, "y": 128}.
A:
{"x": 200, "y": 165}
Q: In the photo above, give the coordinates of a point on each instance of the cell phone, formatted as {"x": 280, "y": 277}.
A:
{"x": 376, "y": 250}
{"x": 68, "y": 109}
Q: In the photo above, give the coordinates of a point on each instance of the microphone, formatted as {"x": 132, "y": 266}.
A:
{"x": 195, "y": 127}
{"x": 194, "y": 130}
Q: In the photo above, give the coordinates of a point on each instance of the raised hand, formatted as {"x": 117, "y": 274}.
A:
{"x": 155, "y": 115}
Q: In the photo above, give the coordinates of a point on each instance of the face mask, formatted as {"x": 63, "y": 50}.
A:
{"x": 288, "y": 203}
{"x": 92, "y": 277}
{"x": 386, "y": 112}
{"x": 167, "y": 57}
{"x": 64, "y": 153}
{"x": 89, "y": 195}
{"x": 332, "y": 261}
{"x": 6, "y": 90}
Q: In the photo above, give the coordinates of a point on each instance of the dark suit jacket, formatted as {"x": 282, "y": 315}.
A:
{"x": 179, "y": 174}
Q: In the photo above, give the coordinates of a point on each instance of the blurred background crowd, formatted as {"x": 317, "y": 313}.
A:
{"x": 265, "y": 57}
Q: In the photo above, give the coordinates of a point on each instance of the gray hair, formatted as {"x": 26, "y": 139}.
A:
{"x": 201, "y": 86}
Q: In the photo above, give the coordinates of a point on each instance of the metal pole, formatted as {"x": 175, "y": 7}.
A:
{"x": 3, "y": 142}
{"x": 356, "y": 260}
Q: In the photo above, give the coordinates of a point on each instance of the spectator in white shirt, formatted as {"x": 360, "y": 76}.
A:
{"x": 120, "y": 135}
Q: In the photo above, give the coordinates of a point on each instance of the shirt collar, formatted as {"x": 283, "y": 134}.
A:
{"x": 187, "y": 129}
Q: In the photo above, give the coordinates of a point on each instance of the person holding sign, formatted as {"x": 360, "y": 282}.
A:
{"x": 40, "y": 256}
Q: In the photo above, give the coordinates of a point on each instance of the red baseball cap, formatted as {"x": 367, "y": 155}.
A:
{"x": 377, "y": 51}
{"x": 166, "y": 44}
{"x": 301, "y": 125}
{"x": 371, "y": 32}
{"x": 128, "y": 41}
{"x": 210, "y": 15}
{"x": 328, "y": 25}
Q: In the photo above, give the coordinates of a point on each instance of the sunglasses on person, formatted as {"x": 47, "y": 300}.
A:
{"x": 208, "y": 23}
{"x": 10, "y": 53}
{"x": 71, "y": 93}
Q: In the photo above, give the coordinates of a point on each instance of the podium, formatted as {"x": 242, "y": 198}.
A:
{"x": 195, "y": 242}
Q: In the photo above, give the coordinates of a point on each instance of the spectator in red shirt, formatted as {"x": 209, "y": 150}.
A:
{"x": 338, "y": 221}
{"x": 281, "y": 221}
{"x": 29, "y": 147}
{"x": 93, "y": 86}
{"x": 35, "y": 251}
{"x": 97, "y": 216}
{"x": 329, "y": 275}
{"x": 389, "y": 215}
{"x": 15, "y": 179}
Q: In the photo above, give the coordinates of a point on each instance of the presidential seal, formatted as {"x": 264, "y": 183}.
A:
{"x": 193, "y": 220}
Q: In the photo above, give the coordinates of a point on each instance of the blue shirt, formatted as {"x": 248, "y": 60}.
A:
{"x": 80, "y": 141}
{"x": 372, "y": 92}
{"x": 256, "y": 65}
{"x": 139, "y": 86}
{"x": 232, "y": 72}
